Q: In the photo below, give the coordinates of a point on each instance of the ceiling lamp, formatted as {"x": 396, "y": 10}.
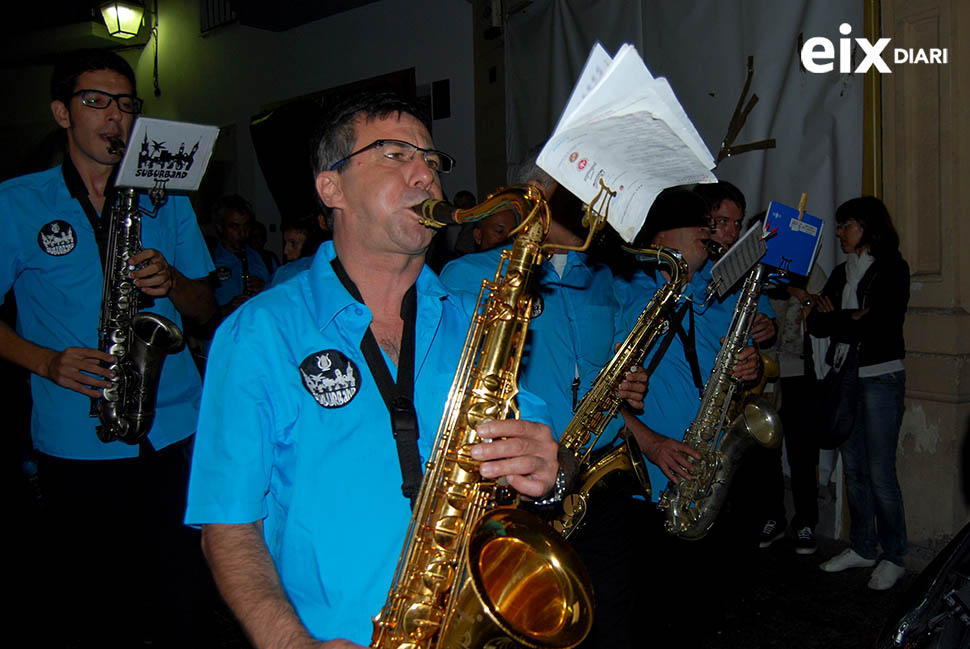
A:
{"x": 122, "y": 18}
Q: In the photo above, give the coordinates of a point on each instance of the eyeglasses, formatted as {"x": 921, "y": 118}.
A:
{"x": 399, "y": 151}
{"x": 101, "y": 100}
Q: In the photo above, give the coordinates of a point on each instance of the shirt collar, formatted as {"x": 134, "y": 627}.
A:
{"x": 577, "y": 272}
{"x": 330, "y": 297}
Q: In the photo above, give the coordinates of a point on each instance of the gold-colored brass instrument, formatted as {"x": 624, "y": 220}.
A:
{"x": 475, "y": 571}
{"x": 692, "y": 505}
{"x": 599, "y": 406}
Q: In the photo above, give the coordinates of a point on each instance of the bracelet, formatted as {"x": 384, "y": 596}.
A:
{"x": 558, "y": 491}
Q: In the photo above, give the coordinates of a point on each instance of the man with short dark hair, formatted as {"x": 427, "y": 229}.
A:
{"x": 125, "y": 554}
{"x": 725, "y": 207}
{"x": 296, "y": 477}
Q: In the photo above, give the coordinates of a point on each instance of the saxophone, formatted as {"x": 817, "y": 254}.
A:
{"x": 691, "y": 505}
{"x": 476, "y": 572}
{"x": 599, "y": 406}
{"x": 138, "y": 341}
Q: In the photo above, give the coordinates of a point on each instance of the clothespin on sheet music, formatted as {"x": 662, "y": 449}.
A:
{"x": 802, "y": 202}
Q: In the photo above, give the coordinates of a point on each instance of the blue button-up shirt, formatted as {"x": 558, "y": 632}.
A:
{"x": 49, "y": 254}
{"x": 294, "y": 432}
{"x": 672, "y": 397}
{"x": 229, "y": 272}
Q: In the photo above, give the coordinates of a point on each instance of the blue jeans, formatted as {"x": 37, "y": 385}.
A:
{"x": 875, "y": 500}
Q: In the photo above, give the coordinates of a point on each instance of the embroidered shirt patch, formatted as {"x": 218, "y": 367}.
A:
{"x": 332, "y": 378}
{"x": 57, "y": 238}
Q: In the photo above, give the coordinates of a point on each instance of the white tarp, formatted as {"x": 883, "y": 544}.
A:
{"x": 701, "y": 47}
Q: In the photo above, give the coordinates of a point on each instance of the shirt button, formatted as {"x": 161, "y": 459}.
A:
{"x": 358, "y": 310}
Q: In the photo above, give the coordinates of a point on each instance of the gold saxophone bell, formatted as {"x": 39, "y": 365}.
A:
{"x": 525, "y": 584}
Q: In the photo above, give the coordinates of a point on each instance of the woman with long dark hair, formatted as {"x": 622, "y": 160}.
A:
{"x": 861, "y": 310}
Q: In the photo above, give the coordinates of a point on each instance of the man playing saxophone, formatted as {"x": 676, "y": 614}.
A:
{"x": 297, "y": 473}
{"x": 119, "y": 504}
{"x": 679, "y": 365}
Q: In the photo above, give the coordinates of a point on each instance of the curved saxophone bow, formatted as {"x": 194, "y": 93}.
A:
{"x": 475, "y": 572}
{"x": 600, "y": 405}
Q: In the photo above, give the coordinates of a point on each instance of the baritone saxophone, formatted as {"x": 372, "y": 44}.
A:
{"x": 475, "y": 571}
{"x": 601, "y": 403}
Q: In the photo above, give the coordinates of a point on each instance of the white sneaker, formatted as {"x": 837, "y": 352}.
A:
{"x": 885, "y": 575}
{"x": 847, "y": 559}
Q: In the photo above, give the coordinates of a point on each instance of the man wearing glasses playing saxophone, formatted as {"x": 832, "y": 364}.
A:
{"x": 296, "y": 477}
{"x": 118, "y": 505}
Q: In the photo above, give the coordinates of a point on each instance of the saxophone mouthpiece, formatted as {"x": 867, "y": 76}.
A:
{"x": 714, "y": 249}
{"x": 433, "y": 213}
{"x": 116, "y": 146}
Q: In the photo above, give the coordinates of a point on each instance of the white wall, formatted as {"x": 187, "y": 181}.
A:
{"x": 226, "y": 77}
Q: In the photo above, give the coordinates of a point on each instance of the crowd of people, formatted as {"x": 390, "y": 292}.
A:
{"x": 293, "y": 466}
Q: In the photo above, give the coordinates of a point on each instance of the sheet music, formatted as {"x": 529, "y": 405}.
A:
{"x": 595, "y": 68}
{"x": 738, "y": 260}
{"x": 627, "y": 128}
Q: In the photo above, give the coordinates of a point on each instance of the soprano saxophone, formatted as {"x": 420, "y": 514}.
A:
{"x": 599, "y": 406}
{"x": 476, "y": 572}
{"x": 139, "y": 341}
{"x": 691, "y": 505}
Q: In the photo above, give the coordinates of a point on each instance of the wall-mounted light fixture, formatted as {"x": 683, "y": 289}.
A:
{"x": 123, "y": 19}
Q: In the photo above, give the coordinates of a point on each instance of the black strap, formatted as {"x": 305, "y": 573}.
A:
{"x": 398, "y": 396}
{"x": 674, "y": 324}
{"x": 99, "y": 223}
{"x": 79, "y": 192}
{"x": 690, "y": 349}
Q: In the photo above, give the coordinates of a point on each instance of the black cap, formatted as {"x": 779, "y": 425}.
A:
{"x": 673, "y": 208}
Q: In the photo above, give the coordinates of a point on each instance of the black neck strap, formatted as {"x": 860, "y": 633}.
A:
{"x": 690, "y": 348}
{"x": 398, "y": 396}
{"x": 100, "y": 224}
{"x": 687, "y": 338}
{"x": 79, "y": 192}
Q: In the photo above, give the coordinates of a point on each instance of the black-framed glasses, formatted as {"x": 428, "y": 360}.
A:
{"x": 401, "y": 151}
{"x": 101, "y": 100}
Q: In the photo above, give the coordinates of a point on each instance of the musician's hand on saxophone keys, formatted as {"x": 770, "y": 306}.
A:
{"x": 522, "y": 452}
{"x": 674, "y": 458}
{"x": 763, "y": 329}
{"x": 634, "y": 388}
{"x": 152, "y": 273}
{"x": 80, "y": 369}
{"x": 748, "y": 366}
